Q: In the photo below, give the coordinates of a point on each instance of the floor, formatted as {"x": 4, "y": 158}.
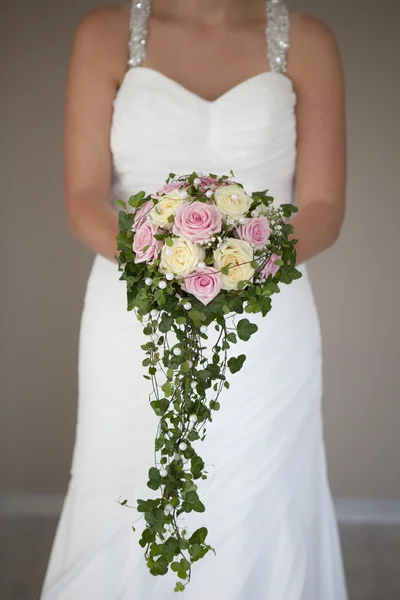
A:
{"x": 371, "y": 555}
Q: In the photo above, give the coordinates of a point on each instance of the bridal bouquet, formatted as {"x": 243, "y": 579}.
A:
{"x": 195, "y": 254}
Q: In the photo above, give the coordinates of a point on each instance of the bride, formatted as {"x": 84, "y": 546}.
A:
{"x": 207, "y": 85}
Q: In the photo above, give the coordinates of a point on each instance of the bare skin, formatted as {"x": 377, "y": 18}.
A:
{"x": 224, "y": 44}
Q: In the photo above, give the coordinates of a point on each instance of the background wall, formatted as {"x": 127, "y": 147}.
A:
{"x": 44, "y": 269}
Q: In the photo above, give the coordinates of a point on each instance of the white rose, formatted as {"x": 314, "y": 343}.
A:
{"x": 232, "y": 201}
{"x": 166, "y": 208}
{"x": 181, "y": 258}
{"x": 237, "y": 254}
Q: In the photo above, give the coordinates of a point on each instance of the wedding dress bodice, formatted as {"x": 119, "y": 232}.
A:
{"x": 160, "y": 127}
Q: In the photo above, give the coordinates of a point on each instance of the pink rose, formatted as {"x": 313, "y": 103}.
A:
{"x": 270, "y": 268}
{"x": 207, "y": 183}
{"x": 255, "y": 231}
{"x": 141, "y": 214}
{"x": 204, "y": 284}
{"x": 170, "y": 187}
{"x": 197, "y": 221}
{"x": 145, "y": 245}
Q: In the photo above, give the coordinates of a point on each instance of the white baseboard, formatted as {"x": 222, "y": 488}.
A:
{"x": 14, "y": 505}
{"x": 350, "y": 511}
{"x": 364, "y": 511}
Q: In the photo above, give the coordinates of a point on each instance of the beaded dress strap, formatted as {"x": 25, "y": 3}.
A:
{"x": 278, "y": 35}
{"x": 138, "y": 27}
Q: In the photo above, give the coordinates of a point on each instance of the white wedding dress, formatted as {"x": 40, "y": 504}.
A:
{"x": 268, "y": 505}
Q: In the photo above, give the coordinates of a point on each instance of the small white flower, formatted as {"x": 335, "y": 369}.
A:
{"x": 187, "y": 306}
{"x": 183, "y": 446}
{"x": 177, "y": 351}
{"x": 162, "y": 285}
{"x": 193, "y": 418}
{"x": 203, "y": 329}
{"x": 155, "y": 337}
{"x": 154, "y": 314}
{"x": 168, "y": 509}
{"x": 148, "y": 281}
{"x": 169, "y": 276}
{"x": 255, "y": 213}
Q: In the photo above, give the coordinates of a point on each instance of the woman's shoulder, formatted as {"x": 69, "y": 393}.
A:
{"x": 104, "y": 33}
{"x": 310, "y": 32}
{"x": 104, "y": 23}
{"x": 312, "y": 44}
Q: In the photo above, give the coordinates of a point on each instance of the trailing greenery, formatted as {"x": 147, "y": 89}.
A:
{"x": 186, "y": 381}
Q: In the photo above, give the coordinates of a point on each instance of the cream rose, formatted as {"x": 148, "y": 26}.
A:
{"x": 232, "y": 201}
{"x": 181, "y": 258}
{"x": 166, "y": 208}
{"x": 237, "y": 254}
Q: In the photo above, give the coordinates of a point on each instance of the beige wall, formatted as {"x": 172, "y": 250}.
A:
{"x": 44, "y": 269}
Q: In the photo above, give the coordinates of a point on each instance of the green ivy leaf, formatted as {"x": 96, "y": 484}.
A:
{"x": 136, "y": 200}
{"x": 121, "y": 203}
{"x": 245, "y": 329}
{"x": 235, "y": 364}
{"x": 154, "y": 479}
{"x": 197, "y": 466}
{"x": 236, "y": 304}
{"x": 155, "y": 520}
{"x": 199, "y": 536}
{"x": 172, "y": 545}
{"x": 179, "y": 587}
{"x": 231, "y": 337}
{"x": 148, "y": 537}
{"x": 167, "y": 389}
{"x": 192, "y": 499}
{"x": 125, "y": 221}
{"x": 196, "y": 551}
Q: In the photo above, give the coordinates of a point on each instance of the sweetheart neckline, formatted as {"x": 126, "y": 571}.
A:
{"x": 220, "y": 98}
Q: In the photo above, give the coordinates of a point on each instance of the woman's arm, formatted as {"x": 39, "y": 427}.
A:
{"x": 316, "y": 71}
{"x": 98, "y": 55}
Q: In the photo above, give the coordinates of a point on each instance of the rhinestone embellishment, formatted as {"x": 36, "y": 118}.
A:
{"x": 278, "y": 26}
{"x": 140, "y": 12}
